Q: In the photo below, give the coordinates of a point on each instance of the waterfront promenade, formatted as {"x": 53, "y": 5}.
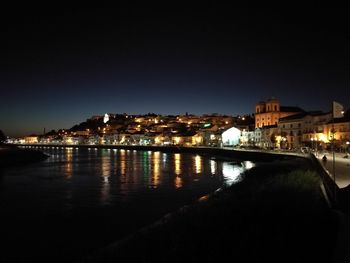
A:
{"x": 342, "y": 168}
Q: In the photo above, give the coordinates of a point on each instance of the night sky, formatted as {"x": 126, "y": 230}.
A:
{"x": 61, "y": 66}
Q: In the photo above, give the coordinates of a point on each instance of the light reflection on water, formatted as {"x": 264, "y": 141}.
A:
{"x": 139, "y": 169}
{"x": 84, "y": 189}
{"x": 177, "y": 157}
{"x": 69, "y": 163}
{"x": 156, "y": 169}
{"x": 248, "y": 165}
{"x": 122, "y": 162}
{"x": 198, "y": 165}
{"x": 213, "y": 167}
{"x": 107, "y": 177}
{"x": 233, "y": 173}
{"x": 106, "y": 164}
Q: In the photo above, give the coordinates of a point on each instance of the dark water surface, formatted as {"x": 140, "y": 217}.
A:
{"x": 79, "y": 200}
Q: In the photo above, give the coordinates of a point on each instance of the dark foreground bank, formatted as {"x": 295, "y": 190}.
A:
{"x": 276, "y": 214}
{"x": 12, "y": 156}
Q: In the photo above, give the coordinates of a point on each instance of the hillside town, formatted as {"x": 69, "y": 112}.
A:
{"x": 272, "y": 126}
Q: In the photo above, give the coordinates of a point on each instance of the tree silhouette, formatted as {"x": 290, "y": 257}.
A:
{"x": 2, "y": 137}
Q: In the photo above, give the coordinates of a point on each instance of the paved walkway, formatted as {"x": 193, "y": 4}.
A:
{"x": 342, "y": 179}
{"x": 342, "y": 168}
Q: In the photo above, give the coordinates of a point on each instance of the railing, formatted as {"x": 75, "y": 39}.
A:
{"x": 332, "y": 189}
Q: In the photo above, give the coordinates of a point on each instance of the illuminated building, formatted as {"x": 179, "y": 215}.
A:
{"x": 269, "y": 112}
{"x": 31, "y": 139}
{"x": 231, "y": 136}
{"x": 184, "y": 139}
{"x": 303, "y": 129}
{"x": 340, "y": 128}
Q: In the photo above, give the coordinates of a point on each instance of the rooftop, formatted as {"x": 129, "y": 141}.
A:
{"x": 290, "y": 109}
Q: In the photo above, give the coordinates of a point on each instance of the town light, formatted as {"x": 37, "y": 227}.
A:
{"x": 158, "y": 140}
{"x": 323, "y": 138}
{"x": 106, "y": 118}
{"x": 177, "y": 140}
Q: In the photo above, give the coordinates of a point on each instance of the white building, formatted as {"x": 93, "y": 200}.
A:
{"x": 231, "y": 136}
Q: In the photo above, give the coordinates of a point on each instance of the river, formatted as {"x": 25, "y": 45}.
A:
{"x": 82, "y": 199}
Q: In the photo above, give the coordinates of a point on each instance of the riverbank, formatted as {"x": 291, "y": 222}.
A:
{"x": 277, "y": 213}
{"x": 13, "y": 156}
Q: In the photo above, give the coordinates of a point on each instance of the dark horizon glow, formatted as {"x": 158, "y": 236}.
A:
{"x": 64, "y": 66}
